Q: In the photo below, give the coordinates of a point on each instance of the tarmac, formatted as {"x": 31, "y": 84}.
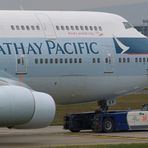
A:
{"x": 57, "y": 136}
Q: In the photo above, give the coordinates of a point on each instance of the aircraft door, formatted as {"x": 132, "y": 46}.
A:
{"x": 108, "y": 61}
{"x": 46, "y": 25}
{"x": 21, "y": 65}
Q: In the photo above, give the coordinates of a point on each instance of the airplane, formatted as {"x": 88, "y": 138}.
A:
{"x": 49, "y": 57}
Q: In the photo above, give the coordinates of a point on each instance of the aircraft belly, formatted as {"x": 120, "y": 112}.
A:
{"x": 67, "y": 90}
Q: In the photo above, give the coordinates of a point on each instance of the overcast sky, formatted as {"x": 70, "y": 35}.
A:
{"x": 64, "y": 4}
{"x": 133, "y": 10}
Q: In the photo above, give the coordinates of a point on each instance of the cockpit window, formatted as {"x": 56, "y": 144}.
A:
{"x": 127, "y": 25}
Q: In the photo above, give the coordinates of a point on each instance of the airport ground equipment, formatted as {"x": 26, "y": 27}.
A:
{"x": 110, "y": 121}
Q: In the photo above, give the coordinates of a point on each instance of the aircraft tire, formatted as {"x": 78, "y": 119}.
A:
{"x": 108, "y": 125}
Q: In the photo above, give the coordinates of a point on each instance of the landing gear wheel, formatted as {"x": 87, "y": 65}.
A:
{"x": 108, "y": 125}
{"x": 103, "y": 105}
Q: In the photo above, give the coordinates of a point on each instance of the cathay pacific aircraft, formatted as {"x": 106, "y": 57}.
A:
{"x": 65, "y": 57}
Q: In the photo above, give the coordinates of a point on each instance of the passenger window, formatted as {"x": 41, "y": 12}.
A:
{"x": 18, "y": 61}
{"x": 100, "y": 28}
{"x": 136, "y": 60}
{"x": 38, "y": 27}
{"x": 128, "y": 60}
{"x": 61, "y": 60}
{"x": 124, "y": 60}
{"x": 144, "y": 60}
{"x": 120, "y": 60}
{"x": 95, "y": 28}
{"x": 91, "y": 28}
{"x": 56, "y": 61}
{"x": 22, "y": 27}
{"x": 72, "y": 27}
{"x": 46, "y": 61}
{"x": 27, "y": 27}
{"x": 140, "y": 60}
{"x": 57, "y": 27}
{"x": 41, "y": 61}
{"x": 66, "y": 61}
{"x": 62, "y": 28}
{"x": 36, "y": 61}
{"x": 98, "y": 60}
{"x": 18, "y": 27}
{"x": 67, "y": 27}
{"x": 106, "y": 60}
{"x": 75, "y": 60}
{"x": 86, "y": 27}
{"x": 51, "y": 61}
{"x": 32, "y": 27}
{"x": 94, "y": 60}
{"x": 81, "y": 27}
{"x": 70, "y": 60}
{"x": 80, "y": 60}
{"x": 77, "y": 27}
{"x": 12, "y": 27}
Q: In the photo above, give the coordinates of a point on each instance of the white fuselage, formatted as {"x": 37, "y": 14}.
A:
{"x": 73, "y": 56}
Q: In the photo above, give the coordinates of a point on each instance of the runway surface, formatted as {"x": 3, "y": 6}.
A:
{"x": 56, "y": 136}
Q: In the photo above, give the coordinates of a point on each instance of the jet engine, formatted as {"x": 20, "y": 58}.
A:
{"x": 23, "y": 108}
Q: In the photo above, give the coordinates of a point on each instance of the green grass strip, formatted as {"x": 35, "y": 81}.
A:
{"x": 108, "y": 146}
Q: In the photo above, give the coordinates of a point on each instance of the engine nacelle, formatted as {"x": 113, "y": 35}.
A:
{"x": 24, "y": 109}
{"x": 44, "y": 112}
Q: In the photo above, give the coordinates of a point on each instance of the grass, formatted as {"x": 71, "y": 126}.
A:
{"x": 108, "y": 146}
{"x": 123, "y": 103}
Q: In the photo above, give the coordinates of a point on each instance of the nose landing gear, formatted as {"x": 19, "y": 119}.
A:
{"x": 105, "y": 104}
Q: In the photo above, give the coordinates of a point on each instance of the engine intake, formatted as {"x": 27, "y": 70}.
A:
{"x": 25, "y": 109}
